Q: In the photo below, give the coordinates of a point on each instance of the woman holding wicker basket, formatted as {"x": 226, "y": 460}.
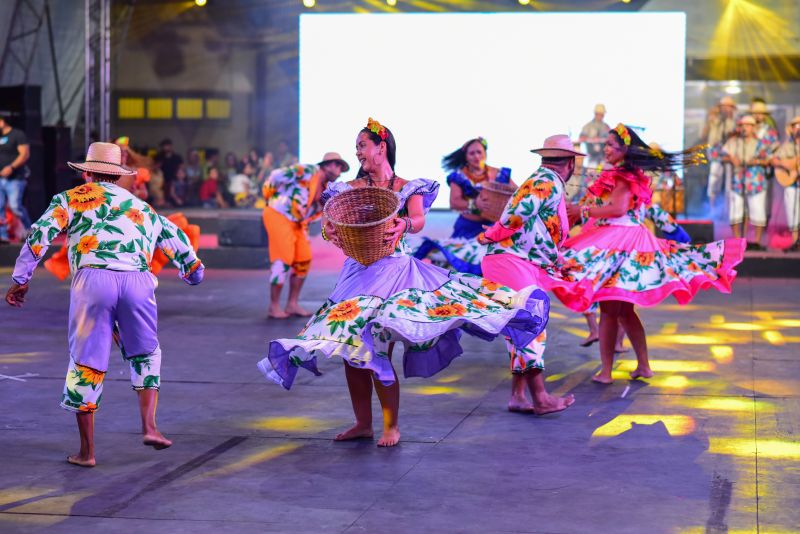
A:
{"x": 479, "y": 193}
{"x": 385, "y": 296}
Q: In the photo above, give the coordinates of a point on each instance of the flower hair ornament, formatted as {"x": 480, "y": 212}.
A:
{"x": 623, "y": 133}
{"x": 479, "y": 139}
{"x": 377, "y": 128}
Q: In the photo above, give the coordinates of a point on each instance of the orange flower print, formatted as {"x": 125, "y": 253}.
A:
{"x": 693, "y": 267}
{"x": 88, "y": 375}
{"x": 553, "y": 225}
{"x": 87, "y": 244}
{"x": 491, "y": 286}
{"x": 543, "y": 190}
{"x": 135, "y": 215}
{"x": 300, "y": 170}
{"x": 405, "y": 303}
{"x": 88, "y": 407}
{"x": 645, "y": 259}
{"x": 297, "y": 211}
{"x": 448, "y": 310}
{"x": 86, "y": 197}
{"x": 478, "y": 304}
{"x": 268, "y": 191}
{"x": 506, "y": 243}
{"x": 168, "y": 252}
{"x": 344, "y": 311}
{"x": 515, "y": 222}
{"x": 36, "y": 249}
{"x": 61, "y": 216}
{"x": 670, "y": 272}
{"x": 612, "y": 282}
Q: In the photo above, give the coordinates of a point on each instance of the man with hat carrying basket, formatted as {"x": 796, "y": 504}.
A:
{"x": 293, "y": 195}
{"x": 111, "y": 238}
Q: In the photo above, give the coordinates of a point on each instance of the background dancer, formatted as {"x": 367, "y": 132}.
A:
{"x": 398, "y": 299}
{"x": 786, "y": 161}
{"x": 112, "y": 236}
{"x": 292, "y": 195}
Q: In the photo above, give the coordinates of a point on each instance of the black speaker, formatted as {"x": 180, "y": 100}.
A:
{"x": 241, "y": 230}
{"x": 22, "y": 104}
{"x": 58, "y": 177}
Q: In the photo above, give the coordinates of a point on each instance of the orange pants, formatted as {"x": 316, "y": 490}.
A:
{"x": 289, "y": 246}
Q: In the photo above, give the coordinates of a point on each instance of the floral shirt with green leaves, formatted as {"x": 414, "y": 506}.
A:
{"x": 534, "y": 223}
{"x": 287, "y": 191}
{"x": 107, "y": 227}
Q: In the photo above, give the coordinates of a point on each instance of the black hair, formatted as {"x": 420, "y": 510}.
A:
{"x": 166, "y": 141}
{"x": 641, "y": 156}
{"x": 105, "y": 177}
{"x": 458, "y": 158}
{"x": 391, "y": 147}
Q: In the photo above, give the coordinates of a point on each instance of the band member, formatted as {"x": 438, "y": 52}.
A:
{"x": 594, "y": 134}
{"x": 720, "y": 126}
{"x": 14, "y": 152}
{"x": 787, "y": 159}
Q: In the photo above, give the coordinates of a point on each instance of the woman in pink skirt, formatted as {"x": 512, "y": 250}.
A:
{"x": 618, "y": 262}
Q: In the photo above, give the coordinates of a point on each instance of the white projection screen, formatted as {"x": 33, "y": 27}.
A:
{"x": 439, "y": 79}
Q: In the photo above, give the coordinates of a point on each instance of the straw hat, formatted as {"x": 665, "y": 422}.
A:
{"x": 104, "y": 158}
{"x": 794, "y": 121}
{"x": 727, "y": 101}
{"x": 747, "y": 119}
{"x": 557, "y": 146}
{"x": 334, "y": 157}
{"x": 600, "y": 108}
{"x": 758, "y": 107}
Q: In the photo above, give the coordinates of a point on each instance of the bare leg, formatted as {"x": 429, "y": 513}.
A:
{"x": 359, "y": 384}
{"x": 635, "y": 329}
{"x": 609, "y": 324}
{"x": 737, "y": 230}
{"x": 148, "y": 400}
{"x": 293, "y": 306}
{"x": 519, "y": 401}
{"x": 85, "y": 458}
{"x": 594, "y": 333}
{"x": 543, "y": 402}
{"x": 275, "y": 310}
{"x": 390, "y": 406}
{"x": 759, "y": 234}
{"x": 620, "y": 347}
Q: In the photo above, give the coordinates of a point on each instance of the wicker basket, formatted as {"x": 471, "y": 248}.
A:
{"x": 496, "y": 196}
{"x": 362, "y": 216}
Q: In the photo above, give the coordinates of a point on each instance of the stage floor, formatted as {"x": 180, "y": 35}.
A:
{"x": 709, "y": 444}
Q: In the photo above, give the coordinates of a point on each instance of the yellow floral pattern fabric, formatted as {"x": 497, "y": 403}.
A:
{"x": 287, "y": 192}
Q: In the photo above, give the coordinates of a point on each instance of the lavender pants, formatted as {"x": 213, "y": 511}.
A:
{"x": 100, "y": 298}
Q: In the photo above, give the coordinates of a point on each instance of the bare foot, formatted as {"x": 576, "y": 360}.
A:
{"x": 520, "y": 405}
{"x": 275, "y": 312}
{"x": 77, "y": 459}
{"x": 355, "y": 432}
{"x": 552, "y": 404}
{"x": 390, "y": 437}
{"x": 641, "y": 373}
{"x": 156, "y": 440}
{"x": 620, "y": 349}
{"x": 297, "y": 311}
{"x": 600, "y": 378}
{"x": 590, "y": 340}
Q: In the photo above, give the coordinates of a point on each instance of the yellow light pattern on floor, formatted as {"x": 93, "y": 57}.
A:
{"x": 669, "y": 328}
{"x": 770, "y": 448}
{"x": 293, "y": 424}
{"x": 671, "y": 366}
{"x": 677, "y": 425}
{"x": 724, "y": 404}
{"x": 722, "y": 353}
{"x": 264, "y": 455}
{"x": 449, "y": 379}
{"x": 774, "y": 337}
{"x": 440, "y": 390}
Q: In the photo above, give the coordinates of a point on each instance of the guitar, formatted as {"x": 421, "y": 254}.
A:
{"x": 786, "y": 173}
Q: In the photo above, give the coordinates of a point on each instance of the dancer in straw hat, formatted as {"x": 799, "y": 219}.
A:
{"x": 111, "y": 236}
{"x": 399, "y": 299}
{"x": 292, "y": 196}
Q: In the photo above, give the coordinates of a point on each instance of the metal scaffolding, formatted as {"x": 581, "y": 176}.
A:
{"x": 97, "y": 90}
{"x": 20, "y": 46}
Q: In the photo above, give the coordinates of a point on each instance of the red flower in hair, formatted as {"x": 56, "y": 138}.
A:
{"x": 377, "y": 128}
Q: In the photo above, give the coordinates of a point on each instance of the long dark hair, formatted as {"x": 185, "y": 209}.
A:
{"x": 458, "y": 157}
{"x": 391, "y": 147}
{"x": 641, "y": 156}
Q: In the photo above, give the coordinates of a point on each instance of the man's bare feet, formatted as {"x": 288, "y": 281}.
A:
{"x": 520, "y": 405}
{"x": 355, "y": 432}
{"x": 275, "y": 312}
{"x": 641, "y": 373}
{"x": 601, "y": 378}
{"x": 77, "y": 459}
{"x": 156, "y": 440}
{"x": 390, "y": 437}
{"x": 590, "y": 340}
{"x": 552, "y": 404}
{"x": 297, "y": 311}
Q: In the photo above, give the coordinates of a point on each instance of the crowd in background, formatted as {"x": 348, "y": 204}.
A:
{"x": 204, "y": 177}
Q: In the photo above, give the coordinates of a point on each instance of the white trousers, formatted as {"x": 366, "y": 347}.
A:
{"x": 756, "y": 208}
{"x": 717, "y": 172}
{"x": 791, "y": 202}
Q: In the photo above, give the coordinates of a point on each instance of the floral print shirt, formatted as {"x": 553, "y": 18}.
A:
{"x": 107, "y": 227}
{"x": 749, "y": 179}
{"x": 288, "y": 191}
{"x": 534, "y": 223}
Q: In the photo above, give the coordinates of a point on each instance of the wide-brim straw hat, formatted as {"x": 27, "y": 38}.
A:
{"x": 557, "y": 146}
{"x": 759, "y": 107}
{"x": 103, "y": 158}
{"x": 335, "y": 157}
{"x": 727, "y": 101}
{"x": 747, "y": 119}
{"x": 794, "y": 121}
{"x": 600, "y": 108}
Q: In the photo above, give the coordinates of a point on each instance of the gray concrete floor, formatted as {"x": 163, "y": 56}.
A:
{"x": 708, "y": 445}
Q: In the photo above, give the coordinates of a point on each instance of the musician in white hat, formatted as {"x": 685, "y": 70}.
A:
{"x": 786, "y": 161}
{"x": 720, "y": 126}
{"x": 293, "y": 195}
{"x": 594, "y": 134}
{"x": 111, "y": 238}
